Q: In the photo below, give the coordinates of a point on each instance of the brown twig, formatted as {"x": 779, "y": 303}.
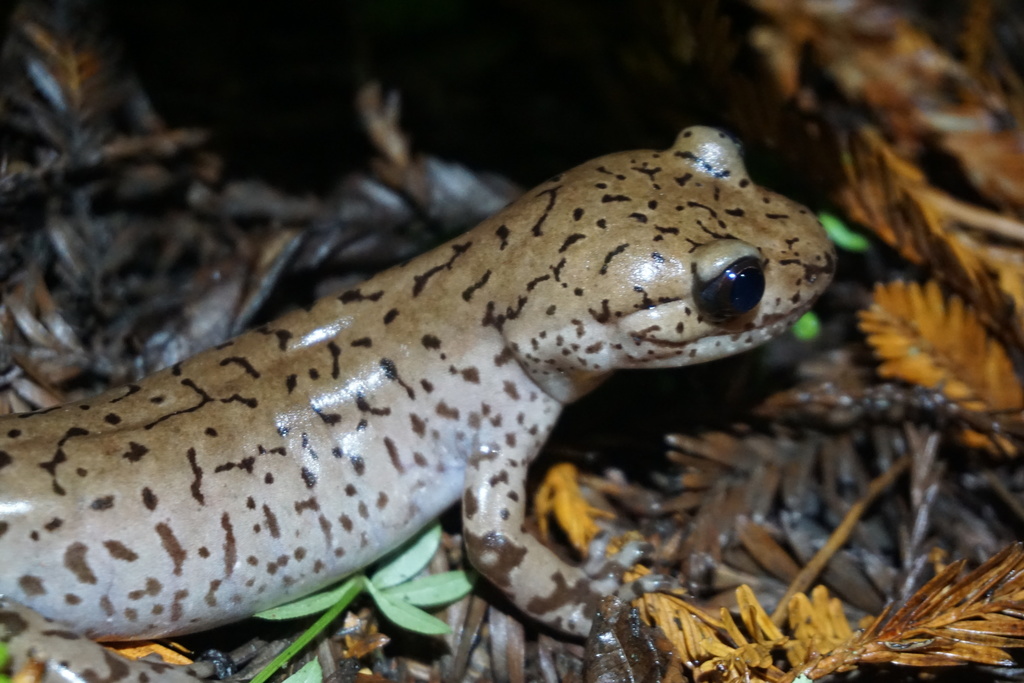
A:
{"x": 839, "y": 537}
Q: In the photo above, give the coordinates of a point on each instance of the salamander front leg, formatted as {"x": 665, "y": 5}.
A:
{"x": 531, "y": 575}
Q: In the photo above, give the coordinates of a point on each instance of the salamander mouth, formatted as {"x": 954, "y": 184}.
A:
{"x": 666, "y": 343}
{"x": 703, "y": 349}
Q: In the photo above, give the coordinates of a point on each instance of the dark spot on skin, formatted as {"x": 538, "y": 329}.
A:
{"x": 610, "y": 255}
{"x": 197, "y": 477}
{"x": 364, "y": 342}
{"x": 112, "y": 418}
{"x": 536, "y": 281}
{"x": 13, "y": 434}
{"x": 270, "y": 520}
{"x": 505, "y": 356}
{"x": 571, "y": 240}
{"x": 31, "y": 585}
{"x": 427, "y": 385}
{"x": 418, "y": 425}
{"x": 509, "y": 556}
{"x": 562, "y": 594}
{"x": 470, "y": 505}
{"x": 282, "y": 339}
{"x": 243, "y": 363}
{"x": 75, "y": 562}
{"x": 353, "y": 295}
{"x": 446, "y": 411}
{"x": 335, "y": 352}
{"x": 471, "y": 375}
{"x": 537, "y": 229}
{"x": 171, "y": 546}
{"x": 135, "y": 452}
{"x": 364, "y": 406}
{"x": 308, "y": 477}
{"x": 120, "y": 551}
{"x": 314, "y": 374}
{"x": 468, "y": 293}
{"x": 53, "y": 524}
{"x": 577, "y": 214}
{"x": 420, "y": 281}
{"x": 149, "y": 499}
{"x": 602, "y": 316}
{"x": 102, "y": 503}
{"x": 608, "y": 198}
{"x": 346, "y": 523}
{"x": 502, "y": 232}
{"x": 510, "y": 389}
{"x": 431, "y": 342}
{"x": 393, "y": 454}
{"x": 390, "y": 316}
{"x": 229, "y": 546}
{"x": 382, "y": 500}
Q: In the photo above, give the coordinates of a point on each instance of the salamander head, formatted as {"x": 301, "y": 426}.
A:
{"x": 663, "y": 259}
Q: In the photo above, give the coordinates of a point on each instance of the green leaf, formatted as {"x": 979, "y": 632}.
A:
{"x": 4, "y": 663}
{"x": 405, "y": 615}
{"x": 311, "y": 672}
{"x": 409, "y": 560}
{"x": 841, "y": 234}
{"x": 433, "y": 590}
{"x": 311, "y": 604}
{"x": 807, "y": 327}
{"x": 355, "y": 585}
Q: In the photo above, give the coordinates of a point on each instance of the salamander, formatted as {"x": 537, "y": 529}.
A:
{"x": 270, "y": 466}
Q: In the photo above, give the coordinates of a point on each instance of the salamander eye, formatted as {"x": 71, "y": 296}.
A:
{"x": 736, "y": 290}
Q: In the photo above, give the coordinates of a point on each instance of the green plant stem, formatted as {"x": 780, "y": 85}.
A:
{"x": 352, "y": 588}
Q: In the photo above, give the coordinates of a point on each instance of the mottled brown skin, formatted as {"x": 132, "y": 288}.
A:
{"x": 270, "y": 466}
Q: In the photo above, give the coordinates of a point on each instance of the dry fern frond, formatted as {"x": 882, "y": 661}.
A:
{"x": 923, "y": 338}
{"x": 953, "y": 619}
{"x": 715, "y": 649}
{"x": 559, "y": 496}
{"x": 139, "y": 650}
{"x": 893, "y": 197}
{"x": 816, "y": 624}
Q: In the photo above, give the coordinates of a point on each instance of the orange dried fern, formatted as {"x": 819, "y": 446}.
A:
{"x": 559, "y": 496}
{"x": 951, "y": 620}
{"x": 925, "y": 339}
{"x": 927, "y": 226}
{"x": 954, "y": 619}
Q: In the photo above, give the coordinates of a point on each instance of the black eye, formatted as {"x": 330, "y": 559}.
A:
{"x": 735, "y": 291}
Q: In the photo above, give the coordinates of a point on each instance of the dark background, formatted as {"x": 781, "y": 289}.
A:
{"x": 495, "y": 85}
